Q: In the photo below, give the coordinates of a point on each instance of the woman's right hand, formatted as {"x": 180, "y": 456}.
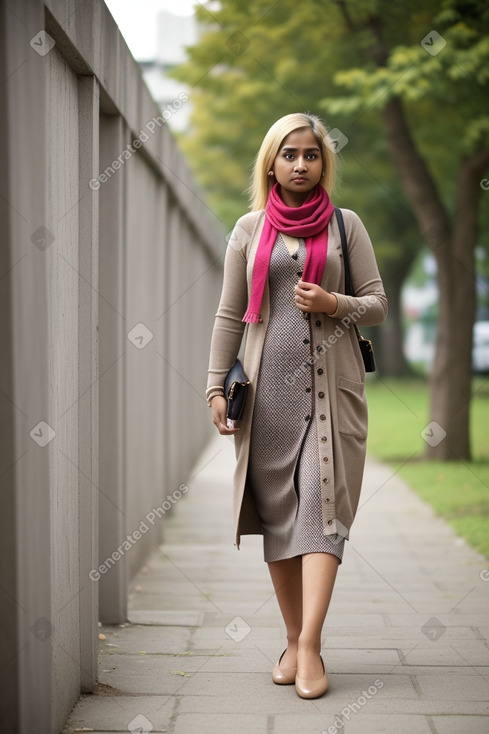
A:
{"x": 219, "y": 406}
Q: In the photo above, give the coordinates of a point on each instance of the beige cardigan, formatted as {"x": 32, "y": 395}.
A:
{"x": 337, "y": 366}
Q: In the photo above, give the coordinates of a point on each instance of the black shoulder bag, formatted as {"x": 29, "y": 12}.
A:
{"x": 366, "y": 347}
{"x": 236, "y": 388}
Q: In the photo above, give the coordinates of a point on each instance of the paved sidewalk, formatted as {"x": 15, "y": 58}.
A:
{"x": 405, "y": 642}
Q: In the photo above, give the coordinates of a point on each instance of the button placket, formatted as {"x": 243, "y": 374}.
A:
{"x": 309, "y": 388}
{"x": 323, "y": 426}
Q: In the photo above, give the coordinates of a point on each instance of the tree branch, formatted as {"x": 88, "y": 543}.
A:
{"x": 466, "y": 226}
{"x": 346, "y": 15}
{"x": 415, "y": 176}
{"x": 413, "y": 171}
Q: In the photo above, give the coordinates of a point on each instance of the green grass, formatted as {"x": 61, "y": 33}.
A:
{"x": 459, "y": 491}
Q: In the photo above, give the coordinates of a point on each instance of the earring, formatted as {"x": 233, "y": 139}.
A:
{"x": 270, "y": 173}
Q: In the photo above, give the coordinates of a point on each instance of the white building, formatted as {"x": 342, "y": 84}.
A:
{"x": 174, "y": 34}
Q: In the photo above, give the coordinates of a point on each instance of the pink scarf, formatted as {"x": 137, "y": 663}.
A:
{"x": 310, "y": 220}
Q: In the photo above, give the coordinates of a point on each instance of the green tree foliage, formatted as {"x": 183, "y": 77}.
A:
{"x": 255, "y": 62}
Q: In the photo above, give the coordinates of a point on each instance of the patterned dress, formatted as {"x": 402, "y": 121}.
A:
{"x": 283, "y": 466}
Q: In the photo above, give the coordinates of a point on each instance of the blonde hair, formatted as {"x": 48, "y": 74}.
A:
{"x": 261, "y": 182}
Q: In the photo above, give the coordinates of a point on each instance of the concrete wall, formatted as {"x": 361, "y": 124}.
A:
{"x": 107, "y": 294}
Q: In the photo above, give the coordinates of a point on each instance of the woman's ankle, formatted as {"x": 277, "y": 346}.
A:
{"x": 308, "y": 645}
{"x": 292, "y": 643}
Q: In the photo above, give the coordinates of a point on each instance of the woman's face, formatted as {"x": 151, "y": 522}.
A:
{"x": 298, "y": 166}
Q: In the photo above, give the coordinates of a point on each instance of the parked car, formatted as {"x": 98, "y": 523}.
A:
{"x": 419, "y": 346}
{"x": 480, "y": 348}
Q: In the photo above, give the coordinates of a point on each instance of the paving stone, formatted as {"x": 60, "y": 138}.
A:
{"x": 221, "y": 724}
{"x": 280, "y": 699}
{"x": 366, "y": 723}
{"x": 464, "y": 687}
{"x": 358, "y": 723}
{"x": 114, "y": 713}
{"x": 151, "y": 639}
{"x": 440, "y": 654}
{"x": 172, "y": 619}
{"x": 149, "y": 674}
{"x": 461, "y": 724}
{"x": 393, "y": 686}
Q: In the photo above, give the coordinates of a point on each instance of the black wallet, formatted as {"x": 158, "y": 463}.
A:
{"x": 366, "y": 347}
{"x": 236, "y": 387}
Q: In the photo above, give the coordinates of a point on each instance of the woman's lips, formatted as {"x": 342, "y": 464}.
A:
{"x": 299, "y": 179}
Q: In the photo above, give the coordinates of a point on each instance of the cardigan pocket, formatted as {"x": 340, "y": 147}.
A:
{"x": 352, "y": 408}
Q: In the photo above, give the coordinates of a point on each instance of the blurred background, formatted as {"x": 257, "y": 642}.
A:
{"x": 129, "y": 132}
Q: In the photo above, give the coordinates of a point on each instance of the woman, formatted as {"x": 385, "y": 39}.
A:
{"x": 300, "y": 446}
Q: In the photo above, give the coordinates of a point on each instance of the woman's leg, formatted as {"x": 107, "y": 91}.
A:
{"x": 318, "y": 577}
{"x": 287, "y": 582}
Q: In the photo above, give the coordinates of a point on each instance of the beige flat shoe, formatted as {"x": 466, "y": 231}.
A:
{"x": 283, "y": 676}
{"x": 312, "y": 688}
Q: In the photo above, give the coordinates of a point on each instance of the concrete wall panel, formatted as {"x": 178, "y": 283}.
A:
{"x": 62, "y": 346}
{"x": 112, "y": 349}
{"x": 88, "y": 375}
{"x": 144, "y": 386}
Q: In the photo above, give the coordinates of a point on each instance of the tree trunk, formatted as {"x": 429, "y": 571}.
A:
{"x": 450, "y": 391}
{"x": 447, "y": 432}
{"x": 390, "y": 351}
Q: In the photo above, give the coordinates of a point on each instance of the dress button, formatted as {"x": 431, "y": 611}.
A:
{"x": 323, "y": 417}
{"x": 324, "y": 439}
{"x": 320, "y": 371}
{"x": 325, "y": 458}
{"x": 325, "y": 480}
{"x": 328, "y": 499}
{"x": 307, "y": 417}
{"x": 320, "y": 394}
{"x": 318, "y": 323}
{"x": 308, "y": 389}
{"x": 330, "y": 522}
{"x": 306, "y": 341}
{"x": 295, "y": 256}
{"x": 299, "y": 272}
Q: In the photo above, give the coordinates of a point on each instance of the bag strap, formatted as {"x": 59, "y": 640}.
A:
{"x": 346, "y": 262}
{"x": 344, "y": 247}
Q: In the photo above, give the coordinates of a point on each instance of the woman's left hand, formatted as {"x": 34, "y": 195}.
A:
{"x": 311, "y": 298}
